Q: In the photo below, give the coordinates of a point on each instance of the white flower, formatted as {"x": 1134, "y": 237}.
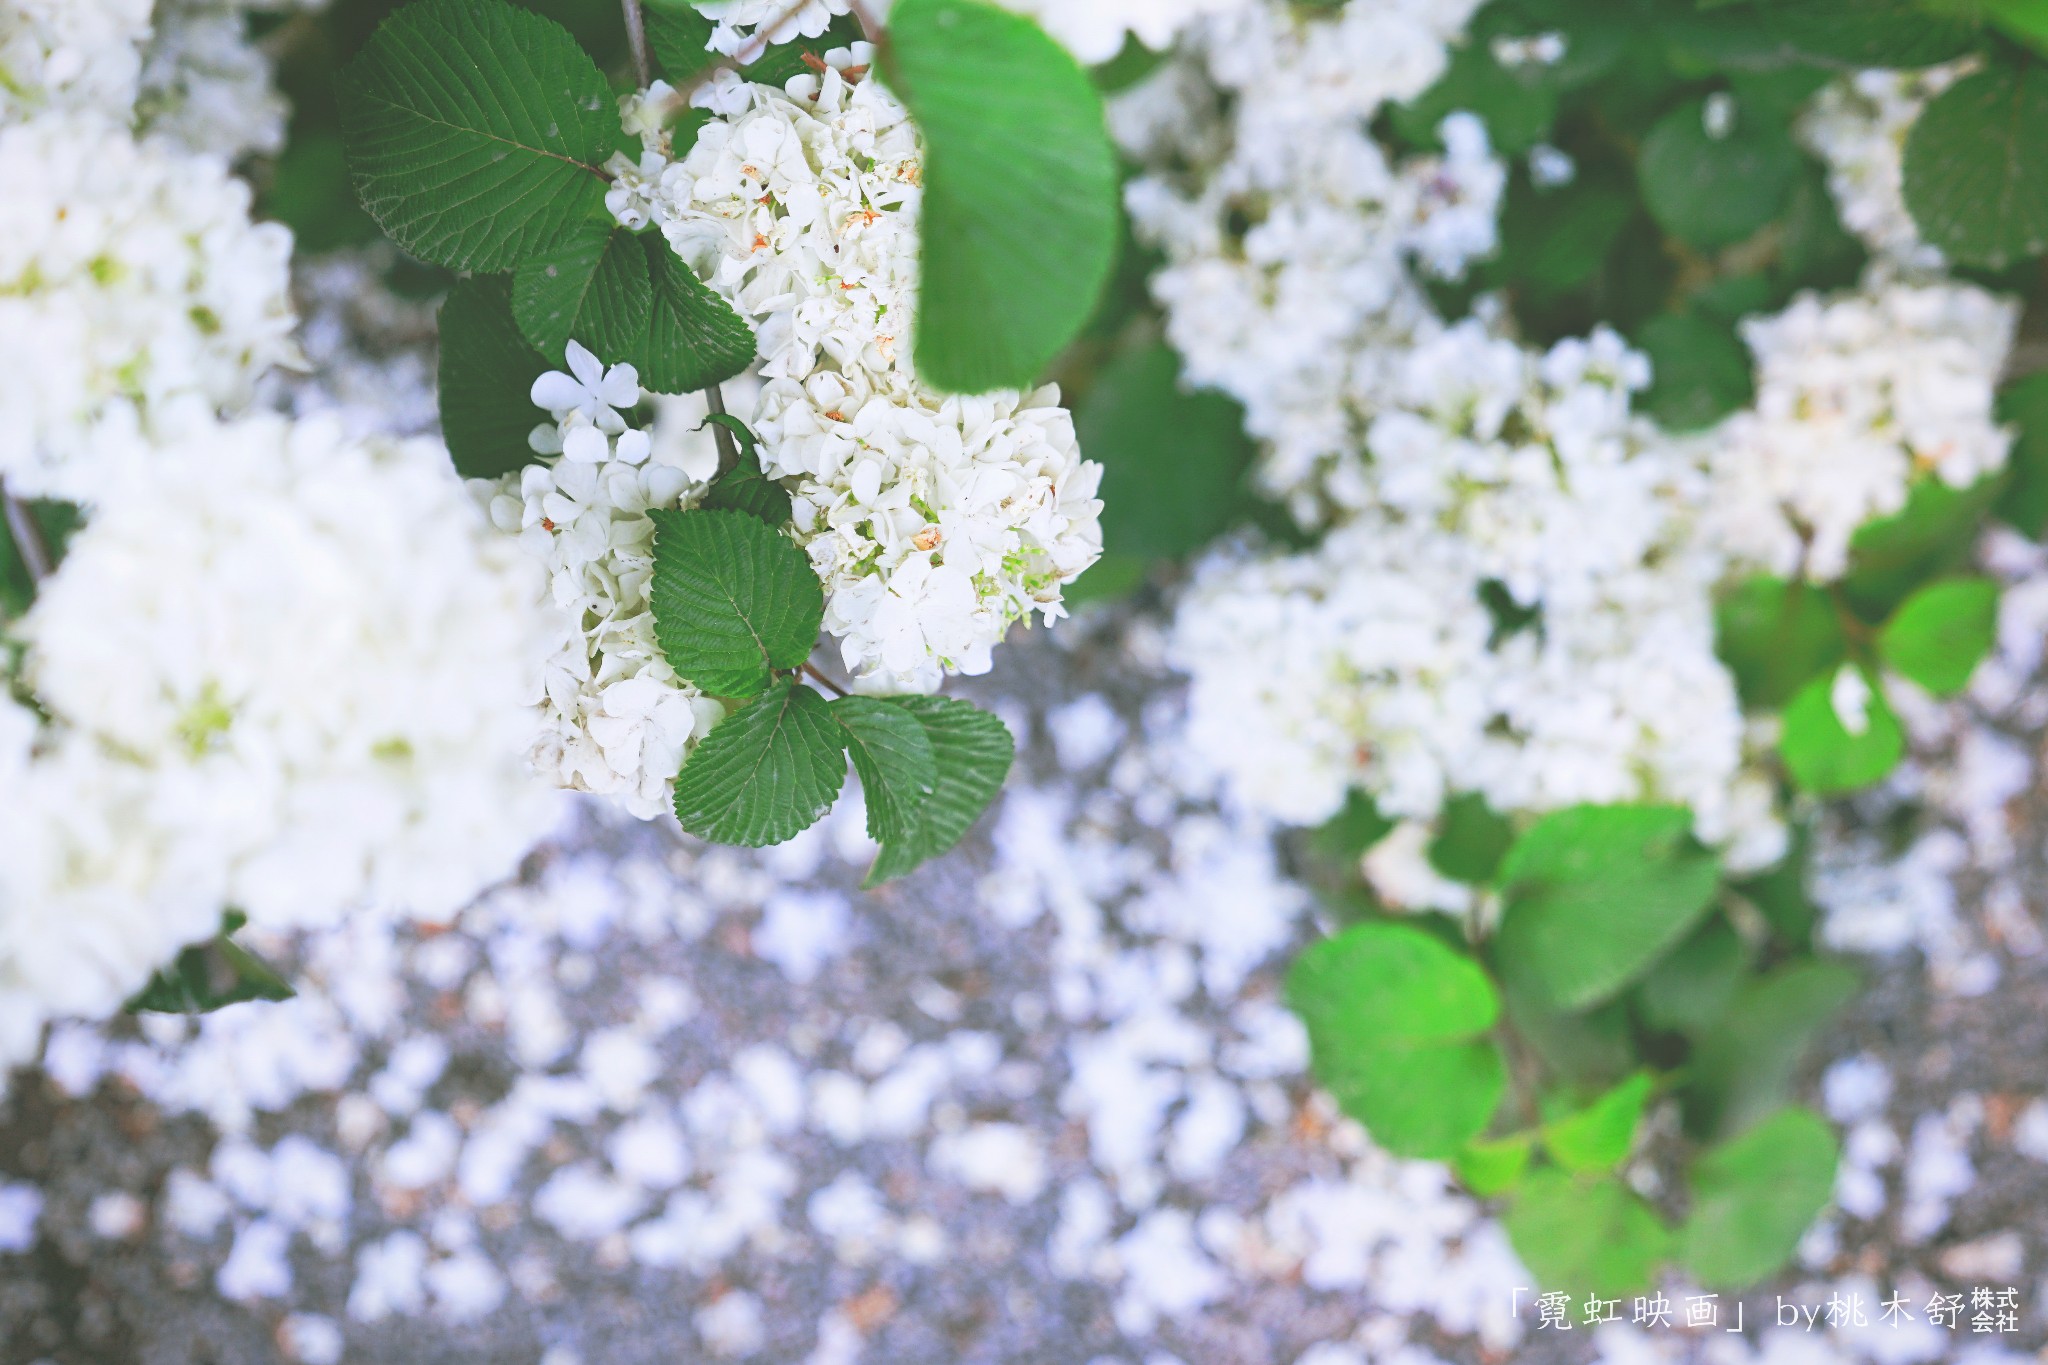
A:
{"x": 1858, "y": 125}
{"x": 935, "y": 521}
{"x": 181, "y": 71}
{"x": 752, "y": 25}
{"x": 614, "y": 718}
{"x": 1289, "y": 235}
{"x": 133, "y": 289}
{"x": 70, "y": 55}
{"x": 205, "y": 86}
{"x": 1096, "y": 30}
{"x": 1857, "y": 396}
{"x": 321, "y": 647}
{"x": 102, "y": 878}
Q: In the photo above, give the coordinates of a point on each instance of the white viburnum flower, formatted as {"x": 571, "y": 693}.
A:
{"x": 935, "y": 521}
{"x": 205, "y": 86}
{"x": 1857, "y": 395}
{"x": 754, "y": 24}
{"x": 584, "y": 404}
{"x": 71, "y": 55}
{"x": 133, "y": 289}
{"x": 324, "y": 645}
{"x": 1096, "y": 30}
{"x": 104, "y": 877}
{"x": 1858, "y": 126}
{"x": 614, "y": 718}
{"x": 1293, "y": 242}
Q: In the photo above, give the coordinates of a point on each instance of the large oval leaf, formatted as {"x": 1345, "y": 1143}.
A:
{"x": 475, "y": 131}
{"x": 1020, "y": 191}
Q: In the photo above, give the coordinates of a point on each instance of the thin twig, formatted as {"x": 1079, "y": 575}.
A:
{"x": 728, "y": 451}
{"x": 28, "y": 539}
{"x": 811, "y": 671}
{"x": 636, "y": 39}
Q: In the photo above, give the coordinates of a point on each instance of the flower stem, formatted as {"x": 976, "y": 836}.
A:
{"x": 28, "y": 538}
{"x": 811, "y": 671}
{"x": 636, "y": 39}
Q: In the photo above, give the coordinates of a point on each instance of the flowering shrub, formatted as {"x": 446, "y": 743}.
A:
{"x": 1555, "y": 432}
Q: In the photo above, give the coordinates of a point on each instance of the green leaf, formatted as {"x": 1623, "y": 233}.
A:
{"x": 1700, "y": 371}
{"x": 594, "y": 289}
{"x": 2023, "y": 505}
{"x": 1595, "y": 894}
{"x": 894, "y": 757}
{"x": 1470, "y": 840}
{"x": 1776, "y": 637}
{"x": 1931, "y": 535}
{"x": 1173, "y": 461}
{"x": 1779, "y": 894}
{"x": 487, "y": 373}
{"x": 1591, "y": 1048}
{"x": 1690, "y": 988}
{"x": 767, "y": 771}
{"x": 744, "y": 488}
{"x": 1866, "y": 33}
{"x": 1490, "y": 1168}
{"x": 475, "y": 131}
{"x": 1555, "y": 239}
{"x": 2026, "y": 20}
{"x": 1352, "y": 830}
{"x": 1824, "y": 756}
{"x": 677, "y": 35}
{"x": 1019, "y": 219}
{"x": 1132, "y": 63}
{"x": 1941, "y": 633}
{"x": 1976, "y": 173}
{"x": 1742, "y": 1068}
{"x": 733, "y": 599}
{"x": 1712, "y": 192}
{"x": 973, "y": 751}
{"x": 693, "y": 338}
{"x": 209, "y": 975}
{"x": 1586, "y": 1236}
{"x": 1598, "y": 1137}
{"x": 1517, "y": 105}
{"x": 1753, "y": 1198}
{"x": 1816, "y": 251}
{"x": 1394, "y": 1017}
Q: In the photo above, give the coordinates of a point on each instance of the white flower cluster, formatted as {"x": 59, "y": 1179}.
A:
{"x": 1373, "y": 661}
{"x": 205, "y": 86}
{"x": 934, "y": 521}
{"x": 1856, "y": 397}
{"x": 1858, "y": 125}
{"x": 284, "y": 671}
{"x": 180, "y": 71}
{"x": 99, "y": 885}
{"x": 616, "y": 719}
{"x": 1289, "y": 243}
{"x": 132, "y": 287}
{"x": 1093, "y": 30}
{"x": 1096, "y": 30}
{"x": 749, "y": 25}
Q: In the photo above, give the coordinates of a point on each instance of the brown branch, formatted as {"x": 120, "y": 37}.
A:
{"x": 28, "y": 538}
{"x": 636, "y": 39}
{"x": 811, "y": 671}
